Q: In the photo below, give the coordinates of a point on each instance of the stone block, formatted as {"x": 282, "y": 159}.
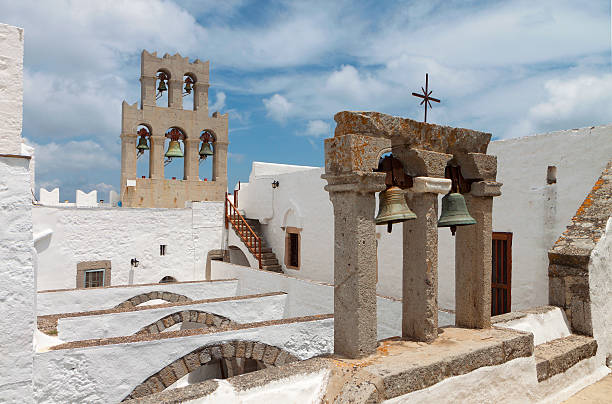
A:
{"x": 422, "y": 163}
{"x": 228, "y": 350}
{"x": 581, "y": 317}
{"x": 174, "y": 297}
{"x": 141, "y": 391}
{"x": 217, "y": 321}
{"x": 177, "y": 318}
{"x": 183, "y": 299}
{"x": 270, "y": 354}
{"x": 185, "y": 316}
{"x": 486, "y": 188}
{"x": 201, "y": 318}
{"x": 477, "y": 166}
{"x": 559, "y": 270}
{"x": 556, "y": 291}
{"x": 205, "y": 356}
{"x": 209, "y": 319}
{"x": 249, "y": 349}
{"x": 155, "y": 385}
{"x": 153, "y": 329}
{"x": 192, "y": 361}
{"x": 281, "y": 358}
{"x": 258, "y": 351}
{"x": 166, "y": 296}
{"x": 240, "y": 349}
{"x": 193, "y": 316}
{"x": 168, "y": 321}
{"x": 179, "y": 368}
{"x": 160, "y": 325}
{"x": 431, "y": 185}
{"x": 216, "y": 352}
{"x": 519, "y": 347}
{"x": 167, "y": 376}
{"x": 152, "y": 295}
{"x": 353, "y": 153}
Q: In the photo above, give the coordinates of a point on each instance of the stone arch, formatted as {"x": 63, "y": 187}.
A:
{"x": 292, "y": 217}
{"x": 205, "y": 169}
{"x": 158, "y": 294}
{"x": 175, "y": 171}
{"x": 237, "y": 256}
{"x": 230, "y": 351}
{"x": 210, "y": 321}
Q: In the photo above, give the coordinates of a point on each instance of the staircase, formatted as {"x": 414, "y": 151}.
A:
{"x": 249, "y": 231}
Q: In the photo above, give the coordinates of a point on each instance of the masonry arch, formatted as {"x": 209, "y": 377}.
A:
{"x": 158, "y": 294}
{"x": 162, "y": 80}
{"x": 188, "y": 319}
{"x": 227, "y": 359}
{"x": 174, "y": 167}
{"x": 208, "y": 139}
{"x": 189, "y": 80}
{"x": 237, "y": 256}
{"x": 144, "y": 132}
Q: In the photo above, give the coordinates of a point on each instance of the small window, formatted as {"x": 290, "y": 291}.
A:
{"x": 94, "y": 278}
{"x": 292, "y": 248}
{"x": 162, "y": 249}
{"x": 551, "y": 175}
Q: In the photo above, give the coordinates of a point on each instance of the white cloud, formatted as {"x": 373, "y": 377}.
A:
{"x": 219, "y": 103}
{"x": 277, "y": 107}
{"x": 238, "y": 157}
{"x": 74, "y": 156}
{"x": 317, "y": 128}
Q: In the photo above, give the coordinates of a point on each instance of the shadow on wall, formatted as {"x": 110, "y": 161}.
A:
{"x": 237, "y": 257}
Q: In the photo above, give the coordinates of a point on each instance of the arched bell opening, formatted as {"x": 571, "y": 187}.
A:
{"x": 161, "y": 87}
{"x": 189, "y": 80}
{"x": 206, "y": 151}
{"x": 143, "y": 150}
{"x": 174, "y": 155}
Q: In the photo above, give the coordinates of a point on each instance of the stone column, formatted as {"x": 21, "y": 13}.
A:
{"x": 192, "y": 159}
{"x": 200, "y": 96}
{"x": 175, "y": 94}
{"x": 128, "y": 157}
{"x": 219, "y": 169}
{"x": 473, "y": 259}
{"x": 147, "y": 91}
{"x": 156, "y": 157}
{"x": 420, "y": 261}
{"x": 353, "y": 198}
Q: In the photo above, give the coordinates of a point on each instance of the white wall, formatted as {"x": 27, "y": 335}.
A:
{"x": 79, "y": 300}
{"x": 17, "y": 267}
{"x": 600, "y": 286}
{"x": 535, "y": 212}
{"x": 120, "y": 234}
{"x": 305, "y": 298}
{"x": 106, "y": 374}
{"x": 128, "y": 323}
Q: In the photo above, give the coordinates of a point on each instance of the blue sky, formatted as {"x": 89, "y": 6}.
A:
{"x": 282, "y": 69}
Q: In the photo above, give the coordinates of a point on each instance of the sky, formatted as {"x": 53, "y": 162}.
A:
{"x": 282, "y": 69}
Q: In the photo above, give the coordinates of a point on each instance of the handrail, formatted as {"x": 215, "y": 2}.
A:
{"x": 245, "y": 232}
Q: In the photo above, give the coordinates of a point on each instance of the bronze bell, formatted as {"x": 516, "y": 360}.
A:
{"x": 454, "y": 212}
{"x": 174, "y": 149}
{"x": 205, "y": 150}
{"x": 162, "y": 86}
{"x": 392, "y": 208}
{"x": 142, "y": 144}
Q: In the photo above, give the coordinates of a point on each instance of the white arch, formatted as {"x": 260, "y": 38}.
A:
{"x": 292, "y": 217}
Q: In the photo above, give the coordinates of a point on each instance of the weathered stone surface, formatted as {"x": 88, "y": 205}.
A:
{"x": 518, "y": 347}
{"x": 427, "y": 136}
{"x": 270, "y": 354}
{"x": 353, "y": 153}
{"x": 168, "y": 321}
{"x": 240, "y": 349}
{"x": 258, "y": 351}
{"x": 228, "y": 350}
{"x": 201, "y": 318}
{"x": 486, "y": 188}
{"x": 179, "y": 368}
{"x": 209, "y": 319}
{"x": 155, "y": 385}
{"x": 193, "y": 316}
{"x": 216, "y": 352}
{"x": 141, "y": 391}
{"x": 205, "y": 357}
{"x": 249, "y": 349}
{"x": 419, "y": 162}
{"x": 431, "y": 185}
{"x": 167, "y": 376}
{"x": 477, "y": 166}
{"x": 557, "y": 356}
{"x": 185, "y": 316}
{"x": 160, "y": 325}
{"x": 192, "y": 361}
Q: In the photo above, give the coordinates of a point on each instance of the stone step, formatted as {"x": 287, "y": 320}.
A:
{"x": 269, "y": 261}
{"x": 558, "y": 355}
{"x": 273, "y": 268}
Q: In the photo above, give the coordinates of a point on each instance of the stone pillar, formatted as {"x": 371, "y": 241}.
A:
{"x": 147, "y": 91}
{"x": 219, "y": 169}
{"x": 175, "y": 94}
{"x": 473, "y": 259}
{"x": 420, "y": 261}
{"x": 200, "y": 96}
{"x": 355, "y": 331}
{"x": 128, "y": 157}
{"x": 192, "y": 159}
{"x": 156, "y": 157}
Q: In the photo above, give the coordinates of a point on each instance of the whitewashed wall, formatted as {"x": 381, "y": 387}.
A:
{"x": 535, "y": 212}
{"x": 106, "y": 374}
{"x": 128, "y": 323}
{"x": 120, "y": 234}
{"x": 17, "y": 265}
{"x": 600, "y": 286}
{"x": 79, "y": 300}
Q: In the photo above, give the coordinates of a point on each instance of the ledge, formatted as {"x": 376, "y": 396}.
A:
{"x": 140, "y": 284}
{"x": 558, "y": 355}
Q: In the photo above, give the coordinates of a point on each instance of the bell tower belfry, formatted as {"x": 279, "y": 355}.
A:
{"x": 193, "y": 135}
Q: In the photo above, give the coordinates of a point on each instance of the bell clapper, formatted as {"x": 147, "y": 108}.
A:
{"x": 453, "y": 229}
{"x": 389, "y": 227}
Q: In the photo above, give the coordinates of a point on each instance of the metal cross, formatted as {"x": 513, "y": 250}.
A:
{"x": 426, "y": 95}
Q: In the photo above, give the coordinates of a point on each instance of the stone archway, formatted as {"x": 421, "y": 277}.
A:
{"x": 231, "y": 352}
{"x": 158, "y": 294}
{"x": 210, "y": 321}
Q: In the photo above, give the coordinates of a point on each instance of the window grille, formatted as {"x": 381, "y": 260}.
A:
{"x": 94, "y": 278}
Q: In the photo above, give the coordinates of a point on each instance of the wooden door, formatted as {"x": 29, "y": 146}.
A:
{"x": 501, "y": 273}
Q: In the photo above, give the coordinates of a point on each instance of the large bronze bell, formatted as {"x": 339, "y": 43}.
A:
{"x": 162, "y": 86}
{"x": 392, "y": 208}
{"x": 205, "y": 150}
{"x": 454, "y": 212}
{"x": 174, "y": 149}
{"x": 142, "y": 144}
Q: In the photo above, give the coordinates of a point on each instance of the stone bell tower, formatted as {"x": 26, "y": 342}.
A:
{"x": 191, "y": 128}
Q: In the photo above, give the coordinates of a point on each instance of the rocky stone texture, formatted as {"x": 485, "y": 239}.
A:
{"x": 353, "y": 153}
{"x": 557, "y": 356}
{"x": 568, "y": 270}
{"x": 145, "y": 297}
{"x": 208, "y": 321}
{"x": 419, "y": 135}
{"x": 230, "y": 350}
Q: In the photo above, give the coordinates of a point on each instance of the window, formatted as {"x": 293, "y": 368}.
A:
{"x": 162, "y": 249}
{"x": 94, "y": 278}
{"x": 551, "y": 175}
{"x": 501, "y": 273}
{"x": 292, "y": 248}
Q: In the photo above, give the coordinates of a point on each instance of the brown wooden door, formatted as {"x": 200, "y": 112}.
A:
{"x": 501, "y": 273}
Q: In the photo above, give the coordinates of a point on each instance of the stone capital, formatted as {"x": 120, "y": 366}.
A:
{"x": 431, "y": 185}
{"x": 362, "y": 183}
{"x": 486, "y": 189}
